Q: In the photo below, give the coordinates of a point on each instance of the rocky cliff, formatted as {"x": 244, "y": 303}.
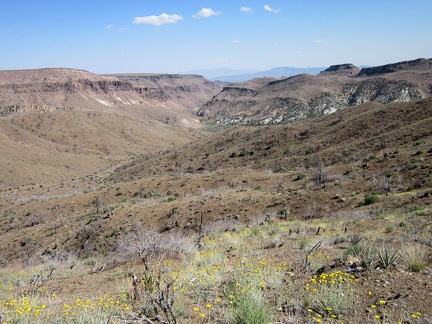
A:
{"x": 160, "y": 96}
{"x": 281, "y": 101}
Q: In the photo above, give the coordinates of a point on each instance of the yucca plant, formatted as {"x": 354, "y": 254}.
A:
{"x": 386, "y": 257}
{"x": 368, "y": 258}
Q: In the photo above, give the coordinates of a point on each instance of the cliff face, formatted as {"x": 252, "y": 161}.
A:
{"x": 304, "y": 96}
{"x": 159, "y": 96}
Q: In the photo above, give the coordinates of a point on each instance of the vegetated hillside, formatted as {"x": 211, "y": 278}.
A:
{"x": 304, "y": 96}
{"x": 350, "y": 134}
{"x": 322, "y": 220}
{"x": 60, "y": 124}
{"x": 309, "y": 169}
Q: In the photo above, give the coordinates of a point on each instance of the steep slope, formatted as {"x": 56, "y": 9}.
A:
{"x": 304, "y": 96}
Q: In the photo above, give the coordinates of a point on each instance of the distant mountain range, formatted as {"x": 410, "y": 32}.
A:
{"x": 233, "y": 76}
{"x": 217, "y": 74}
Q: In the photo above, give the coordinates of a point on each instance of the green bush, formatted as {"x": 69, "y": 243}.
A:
{"x": 370, "y": 199}
{"x": 300, "y": 177}
{"x": 302, "y": 243}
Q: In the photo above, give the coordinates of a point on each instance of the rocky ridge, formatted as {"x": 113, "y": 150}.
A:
{"x": 68, "y": 89}
{"x": 281, "y": 101}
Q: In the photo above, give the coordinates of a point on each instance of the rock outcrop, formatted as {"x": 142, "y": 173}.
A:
{"x": 281, "y": 101}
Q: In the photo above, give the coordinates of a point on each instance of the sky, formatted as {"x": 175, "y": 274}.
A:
{"x": 172, "y": 36}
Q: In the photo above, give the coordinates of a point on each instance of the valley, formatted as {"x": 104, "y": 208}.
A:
{"x": 227, "y": 200}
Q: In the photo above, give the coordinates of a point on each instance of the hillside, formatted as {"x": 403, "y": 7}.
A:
{"x": 304, "y": 96}
{"x": 353, "y": 146}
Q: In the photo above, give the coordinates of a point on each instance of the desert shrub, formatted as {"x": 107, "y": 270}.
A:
{"x": 354, "y": 238}
{"x": 419, "y": 152}
{"x": 410, "y": 166}
{"x": 155, "y": 291}
{"x": 305, "y": 132}
{"x": 255, "y": 230}
{"x": 333, "y": 299}
{"x": 370, "y": 199}
{"x": 339, "y": 239}
{"x": 354, "y": 250}
{"x": 251, "y": 308}
{"x": 34, "y": 220}
{"x": 330, "y": 294}
{"x": 386, "y": 182}
{"x": 389, "y": 229}
{"x": 414, "y": 256}
{"x": 300, "y": 176}
{"x": 302, "y": 243}
{"x": 151, "y": 246}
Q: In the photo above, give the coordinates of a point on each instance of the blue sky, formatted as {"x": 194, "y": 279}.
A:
{"x": 113, "y": 36}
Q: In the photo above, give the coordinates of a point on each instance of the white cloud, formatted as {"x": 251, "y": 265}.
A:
{"x": 206, "y": 12}
{"x": 319, "y": 41}
{"x": 268, "y": 8}
{"x": 158, "y": 20}
{"x": 245, "y": 9}
{"x": 235, "y": 41}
